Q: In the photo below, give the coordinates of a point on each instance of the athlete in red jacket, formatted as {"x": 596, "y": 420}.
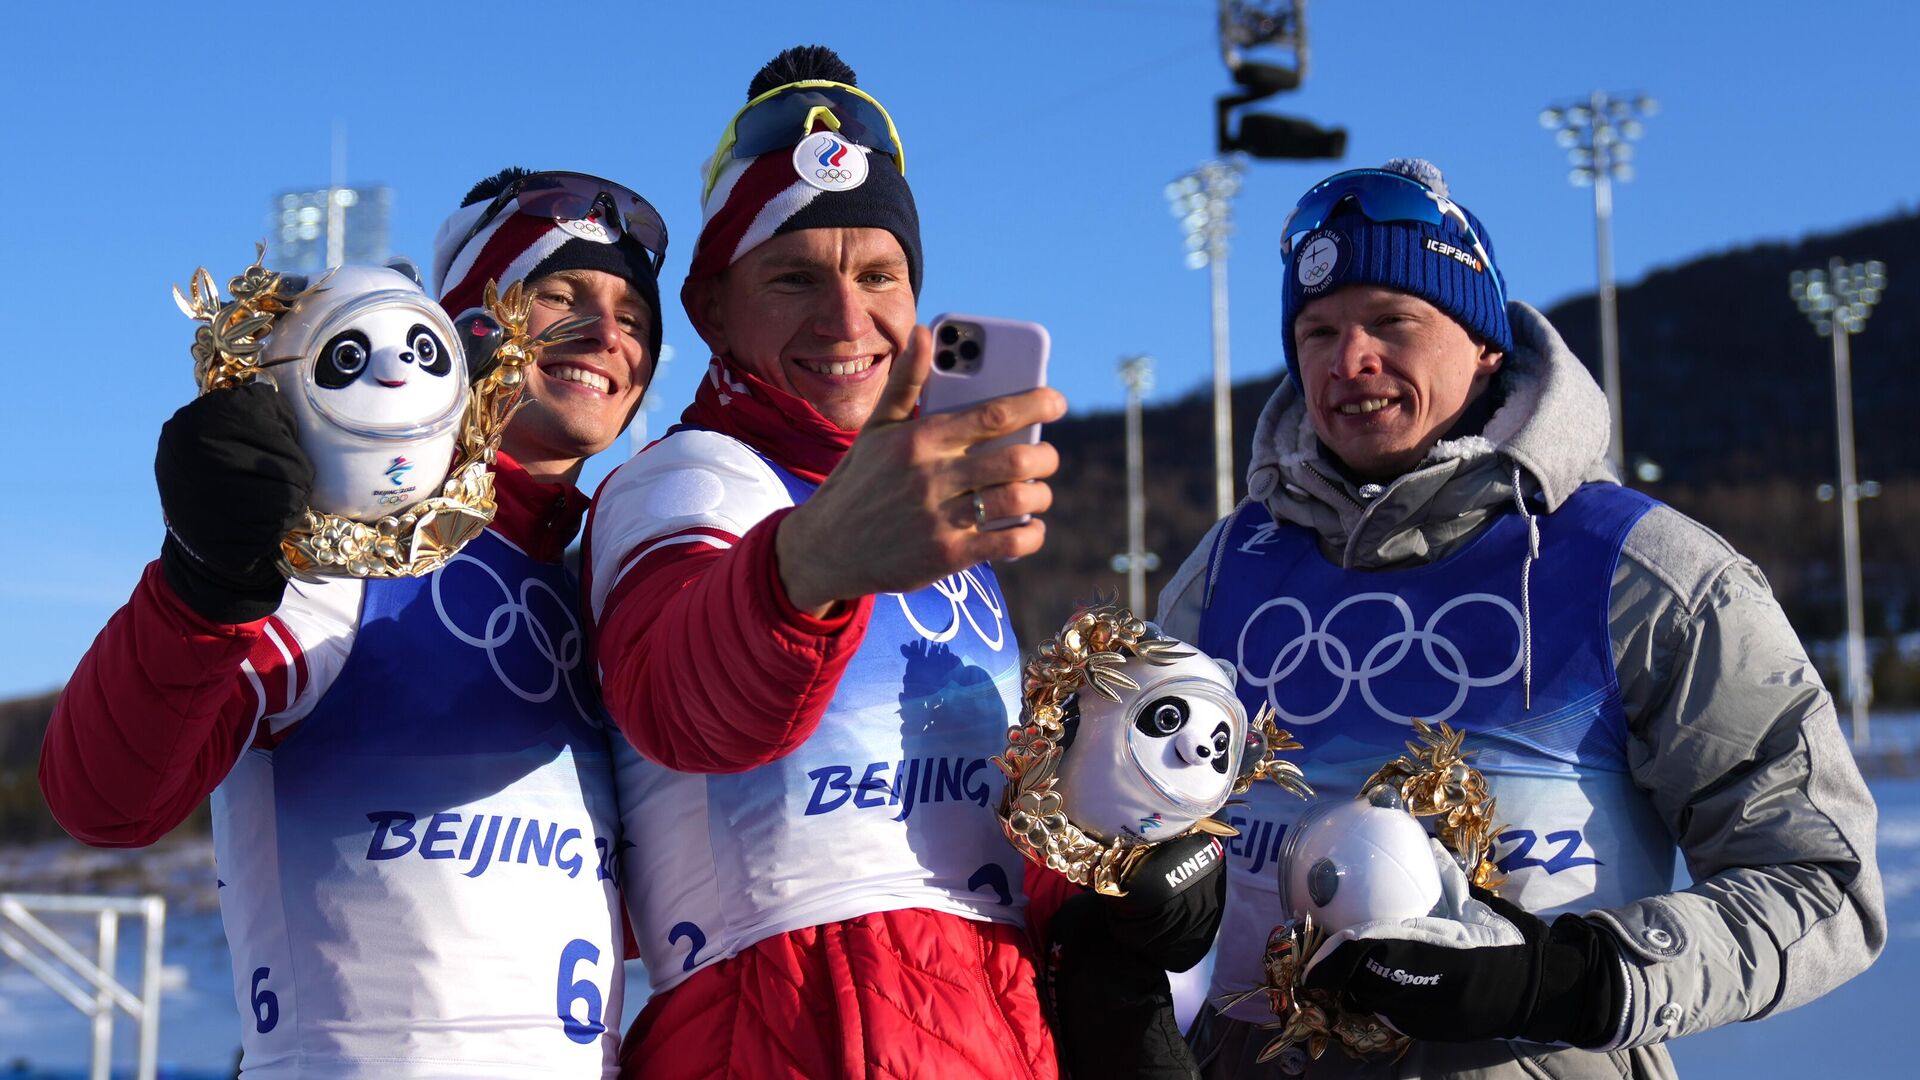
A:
{"x": 798, "y": 631}
{"x": 364, "y": 735}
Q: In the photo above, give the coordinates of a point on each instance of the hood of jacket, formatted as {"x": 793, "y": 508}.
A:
{"x": 1549, "y": 434}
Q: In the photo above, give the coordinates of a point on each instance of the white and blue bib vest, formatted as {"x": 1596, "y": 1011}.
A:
{"x": 419, "y": 880}
{"x": 1348, "y": 657}
{"x": 890, "y": 804}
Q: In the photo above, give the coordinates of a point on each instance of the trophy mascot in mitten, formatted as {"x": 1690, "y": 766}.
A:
{"x": 412, "y": 788}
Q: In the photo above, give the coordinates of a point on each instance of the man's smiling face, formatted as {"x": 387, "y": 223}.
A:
{"x": 819, "y": 313}
{"x": 581, "y": 396}
{"x": 1386, "y": 375}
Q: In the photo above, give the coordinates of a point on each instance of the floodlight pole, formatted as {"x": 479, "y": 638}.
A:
{"x": 336, "y": 209}
{"x": 1609, "y": 318}
{"x": 1222, "y": 374}
{"x": 1597, "y": 133}
{"x": 1136, "y": 372}
{"x": 1838, "y": 300}
{"x": 1859, "y": 682}
{"x": 1203, "y": 200}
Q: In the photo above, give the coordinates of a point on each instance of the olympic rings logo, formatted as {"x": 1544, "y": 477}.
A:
{"x": 837, "y": 176}
{"x": 563, "y": 653}
{"x": 957, "y": 590}
{"x": 1442, "y": 656}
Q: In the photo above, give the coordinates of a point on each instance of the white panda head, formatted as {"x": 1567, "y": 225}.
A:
{"x": 390, "y": 369}
{"x": 1165, "y": 755}
{"x": 374, "y": 371}
{"x": 1187, "y": 733}
{"x": 1350, "y": 861}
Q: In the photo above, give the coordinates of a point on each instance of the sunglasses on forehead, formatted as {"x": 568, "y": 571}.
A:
{"x": 784, "y": 115}
{"x": 585, "y": 201}
{"x": 1382, "y": 197}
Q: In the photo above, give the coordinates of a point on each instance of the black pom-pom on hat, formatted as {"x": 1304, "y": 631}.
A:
{"x": 799, "y": 64}
{"x": 494, "y": 185}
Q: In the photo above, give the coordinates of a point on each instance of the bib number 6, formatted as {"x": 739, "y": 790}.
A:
{"x": 569, "y": 990}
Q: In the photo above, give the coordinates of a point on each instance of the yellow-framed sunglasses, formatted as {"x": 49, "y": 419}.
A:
{"x": 786, "y": 114}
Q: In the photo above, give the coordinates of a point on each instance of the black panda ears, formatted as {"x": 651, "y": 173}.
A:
{"x": 406, "y": 266}
{"x": 480, "y": 338}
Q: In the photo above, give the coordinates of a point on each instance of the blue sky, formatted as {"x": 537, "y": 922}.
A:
{"x": 146, "y": 139}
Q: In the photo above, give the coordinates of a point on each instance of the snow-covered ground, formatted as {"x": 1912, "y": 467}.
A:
{"x": 1860, "y": 1028}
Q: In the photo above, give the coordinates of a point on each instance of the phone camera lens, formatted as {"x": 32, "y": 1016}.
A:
{"x": 944, "y": 360}
{"x": 969, "y": 350}
{"x": 949, "y": 334}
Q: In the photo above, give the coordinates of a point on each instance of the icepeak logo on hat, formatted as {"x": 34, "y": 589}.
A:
{"x": 1319, "y": 257}
{"x": 1465, "y": 258}
{"x": 830, "y": 163}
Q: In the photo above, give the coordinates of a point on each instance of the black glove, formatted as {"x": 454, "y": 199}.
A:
{"x": 1112, "y": 1008}
{"x": 232, "y": 480}
{"x": 1108, "y": 958}
{"x": 1496, "y": 972}
{"x": 1173, "y": 903}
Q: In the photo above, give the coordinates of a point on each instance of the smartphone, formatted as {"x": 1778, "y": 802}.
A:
{"x": 977, "y": 358}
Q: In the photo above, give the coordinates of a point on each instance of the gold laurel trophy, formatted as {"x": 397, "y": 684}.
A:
{"x": 1433, "y": 781}
{"x": 366, "y": 520}
{"x": 1127, "y": 740}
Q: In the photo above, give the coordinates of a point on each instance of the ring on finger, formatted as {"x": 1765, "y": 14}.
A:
{"x": 979, "y": 510}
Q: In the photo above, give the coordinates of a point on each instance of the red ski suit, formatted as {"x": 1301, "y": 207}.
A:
{"x": 895, "y": 993}
{"x": 160, "y": 707}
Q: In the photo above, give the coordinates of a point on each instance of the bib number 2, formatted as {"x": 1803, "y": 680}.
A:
{"x": 570, "y": 990}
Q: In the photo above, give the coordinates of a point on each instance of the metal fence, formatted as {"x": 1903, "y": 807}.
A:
{"x": 90, "y": 985}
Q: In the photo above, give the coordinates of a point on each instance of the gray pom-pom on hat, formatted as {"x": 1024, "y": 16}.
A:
{"x": 1419, "y": 169}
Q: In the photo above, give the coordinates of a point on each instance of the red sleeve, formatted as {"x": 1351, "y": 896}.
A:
{"x": 153, "y": 718}
{"x": 706, "y": 664}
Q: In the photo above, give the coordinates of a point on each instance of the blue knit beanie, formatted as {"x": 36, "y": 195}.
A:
{"x": 1433, "y": 262}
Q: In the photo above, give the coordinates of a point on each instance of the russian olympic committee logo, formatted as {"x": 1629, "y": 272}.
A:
{"x": 513, "y": 628}
{"x": 830, "y": 163}
{"x": 1316, "y": 643}
{"x": 1319, "y": 257}
{"x": 969, "y": 601}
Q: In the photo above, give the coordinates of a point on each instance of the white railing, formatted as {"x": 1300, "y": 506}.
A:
{"x": 90, "y": 985}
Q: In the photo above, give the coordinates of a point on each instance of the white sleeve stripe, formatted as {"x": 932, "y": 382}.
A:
{"x": 293, "y": 669}
{"x": 638, "y": 557}
{"x": 259, "y": 710}
{"x": 259, "y": 694}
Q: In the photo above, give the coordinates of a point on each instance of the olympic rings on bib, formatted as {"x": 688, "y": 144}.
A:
{"x": 1442, "y": 657}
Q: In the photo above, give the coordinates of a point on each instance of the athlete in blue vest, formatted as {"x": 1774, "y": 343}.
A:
{"x": 1432, "y": 531}
{"x": 413, "y": 795}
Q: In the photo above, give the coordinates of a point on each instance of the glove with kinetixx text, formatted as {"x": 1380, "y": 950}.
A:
{"x": 1108, "y": 958}
{"x": 233, "y": 481}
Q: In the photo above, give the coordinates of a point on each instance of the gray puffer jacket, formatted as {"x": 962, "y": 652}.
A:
{"x": 1733, "y": 738}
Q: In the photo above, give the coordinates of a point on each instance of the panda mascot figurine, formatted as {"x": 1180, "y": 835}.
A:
{"x": 1351, "y": 861}
{"x": 1129, "y": 743}
{"x": 1151, "y": 765}
{"x": 1411, "y": 847}
{"x": 374, "y": 373}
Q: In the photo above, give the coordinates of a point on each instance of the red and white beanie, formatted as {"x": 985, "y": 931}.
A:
{"x": 826, "y": 182}
{"x": 523, "y": 247}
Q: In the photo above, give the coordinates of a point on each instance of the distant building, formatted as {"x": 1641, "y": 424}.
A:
{"x": 297, "y": 228}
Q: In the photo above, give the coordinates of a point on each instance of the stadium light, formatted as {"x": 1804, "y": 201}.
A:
{"x": 1837, "y": 301}
{"x": 1598, "y": 134}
